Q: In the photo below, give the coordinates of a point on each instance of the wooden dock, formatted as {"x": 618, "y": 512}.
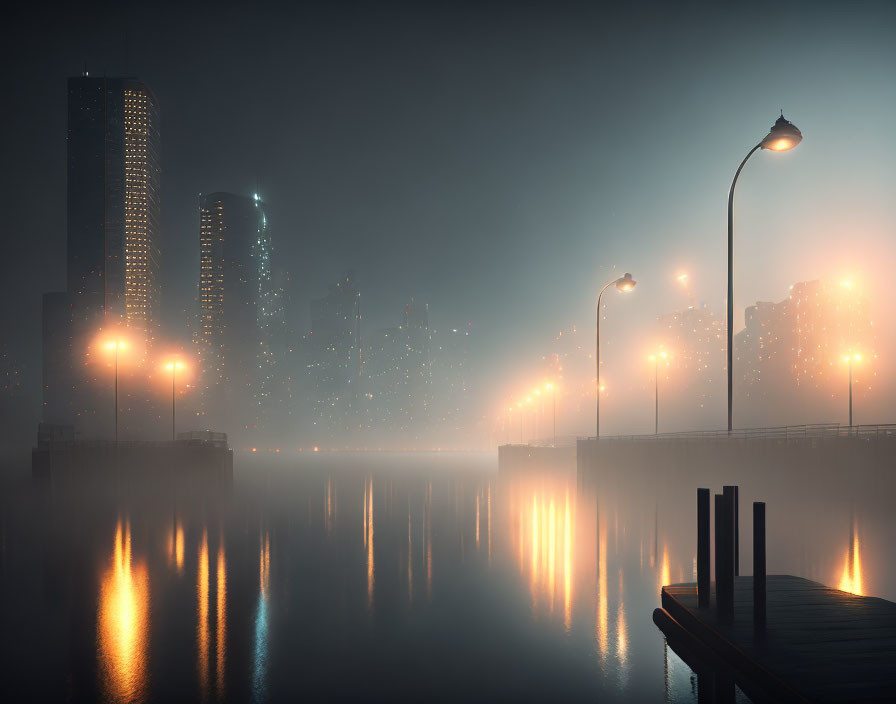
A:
{"x": 818, "y": 644}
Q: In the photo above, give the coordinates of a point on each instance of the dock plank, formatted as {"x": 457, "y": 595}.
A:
{"x": 822, "y": 643}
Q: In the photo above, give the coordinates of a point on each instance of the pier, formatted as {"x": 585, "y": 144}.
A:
{"x": 818, "y": 644}
{"x": 536, "y": 457}
{"x": 69, "y": 462}
{"x": 778, "y": 638}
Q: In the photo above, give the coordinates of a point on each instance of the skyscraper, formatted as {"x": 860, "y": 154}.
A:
{"x": 112, "y": 258}
{"x": 113, "y": 197}
{"x": 239, "y": 307}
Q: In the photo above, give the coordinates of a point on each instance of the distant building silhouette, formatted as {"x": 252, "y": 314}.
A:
{"x": 789, "y": 358}
{"x": 333, "y": 360}
{"x": 451, "y": 381}
{"x": 416, "y": 381}
{"x": 693, "y": 374}
{"x": 240, "y": 311}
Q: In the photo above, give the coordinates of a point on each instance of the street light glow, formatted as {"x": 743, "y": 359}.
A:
{"x": 782, "y": 137}
{"x": 625, "y": 283}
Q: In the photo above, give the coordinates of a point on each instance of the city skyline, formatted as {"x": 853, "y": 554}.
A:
{"x": 352, "y": 194}
{"x": 399, "y": 338}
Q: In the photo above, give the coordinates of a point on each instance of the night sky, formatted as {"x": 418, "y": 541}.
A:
{"x": 499, "y": 161}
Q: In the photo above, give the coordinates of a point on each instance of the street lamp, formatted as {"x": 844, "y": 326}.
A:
{"x": 172, "y": 367}
{"x": 625, "y": 284}
{"x": 655, "y": 358}
{"x": 116, "y": 345}
{"x": 781, "y": 137}
{"x": 849, "y": 358}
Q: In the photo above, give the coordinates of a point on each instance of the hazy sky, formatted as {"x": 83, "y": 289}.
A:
{"x": 496, "y": 160}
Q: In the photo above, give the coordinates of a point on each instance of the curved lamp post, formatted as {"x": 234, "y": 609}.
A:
{"x": 625, "y": 284}
{"x": 783, "y": 136}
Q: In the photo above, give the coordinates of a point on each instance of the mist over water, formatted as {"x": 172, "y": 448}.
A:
{"x": 424, "y": 576}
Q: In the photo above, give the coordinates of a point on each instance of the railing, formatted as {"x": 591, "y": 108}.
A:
{"x": 130, "y": 444}
{"x": 785, "y": 432}
{"x": 559, "y": 441}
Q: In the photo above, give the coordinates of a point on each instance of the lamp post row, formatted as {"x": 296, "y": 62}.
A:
{"x": 782, "y": 137}
{"x": 117, "y": 345}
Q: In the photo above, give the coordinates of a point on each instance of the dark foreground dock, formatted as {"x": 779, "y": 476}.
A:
{"x": 818, "y": 644}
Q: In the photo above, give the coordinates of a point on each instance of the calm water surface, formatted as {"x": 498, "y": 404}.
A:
{"x": 382, "y": 577}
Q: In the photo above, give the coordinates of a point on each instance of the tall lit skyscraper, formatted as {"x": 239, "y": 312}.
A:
{"x": 113, "y": 197}
{"x": 112, "y": 262}
{"x": 239, "y": 307}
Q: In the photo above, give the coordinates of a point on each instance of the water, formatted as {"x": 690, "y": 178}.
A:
{"x": 374, "y": 576}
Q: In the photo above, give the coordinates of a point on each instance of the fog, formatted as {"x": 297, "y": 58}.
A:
{"x": 494, "y": 166}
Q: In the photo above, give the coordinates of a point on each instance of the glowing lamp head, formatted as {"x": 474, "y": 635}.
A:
{"x": 625, "y": 283}
{"x": 548, "y": 387}
{"x": 172, "y": 366}
{"x": 782, "y": 137}
{"x": 117, "y": 345}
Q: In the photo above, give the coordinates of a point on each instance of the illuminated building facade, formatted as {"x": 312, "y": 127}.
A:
{"x": 789, "y": 357}
{"x": 240, "y": 310}
{"x": 113, "y": 197}
{"x": 112, "y": 257}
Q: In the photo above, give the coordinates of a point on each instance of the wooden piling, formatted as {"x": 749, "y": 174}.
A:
{"x": 724, "y": 557}
{"x": 759, "y": 574}
{"x": 733, "y": 497}
{"x": 703, "y": 541}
